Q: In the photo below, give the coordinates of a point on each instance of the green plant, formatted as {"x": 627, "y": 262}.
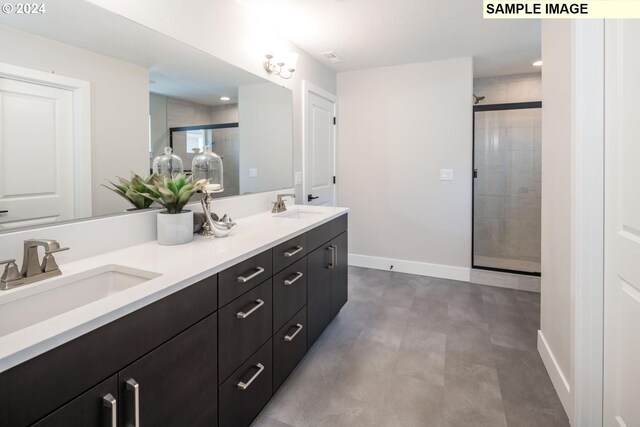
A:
{"x": 173, "y": 193}
{"x": 132, "y": 190}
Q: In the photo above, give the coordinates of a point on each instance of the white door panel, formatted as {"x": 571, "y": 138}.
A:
{"x": 319, "y": 149}
{"x": 622, "y": 225}
{"x": 36, "y": 153}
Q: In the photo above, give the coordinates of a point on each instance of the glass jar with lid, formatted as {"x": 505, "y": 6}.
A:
{"x": 167, "y": 164}
{"x": 208, "y": 165}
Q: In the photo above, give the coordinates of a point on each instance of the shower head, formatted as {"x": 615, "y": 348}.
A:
{"x": 477, "y": 99}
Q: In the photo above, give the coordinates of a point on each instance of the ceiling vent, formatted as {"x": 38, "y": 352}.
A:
{"x": 332, "y": 57}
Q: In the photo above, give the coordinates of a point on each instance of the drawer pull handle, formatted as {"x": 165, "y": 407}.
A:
{"x": 244, "y": 386}
{"x": 111, "y": 414}
{"x": 289, "y": 338}
{"x": 288, "y": 282}
{"x": 334, "y": 257}
{"x": 243, "y": 315}
{"x": 293, "y": 251}
{"x": 133, "y": 419}
{"x": 259, "y": 271}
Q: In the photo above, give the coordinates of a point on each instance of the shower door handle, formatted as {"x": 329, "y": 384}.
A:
{"x": 475, "y": 173}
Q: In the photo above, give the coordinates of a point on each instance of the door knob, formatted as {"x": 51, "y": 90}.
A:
{"x": 4, "y": 211}
{"x": 311, "y": 197}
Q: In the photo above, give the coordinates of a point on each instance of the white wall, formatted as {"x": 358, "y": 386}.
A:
{"x": 264, "y": 146}
{"x": 228, "y": 31}
{"x": 557, "y": 164}
{"x": 119, "y": 106}
{"x": 397, "y": 127}
{"x": 572, "y": 287}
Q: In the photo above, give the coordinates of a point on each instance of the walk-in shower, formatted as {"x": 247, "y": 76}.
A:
{"x": 506, "y": 187}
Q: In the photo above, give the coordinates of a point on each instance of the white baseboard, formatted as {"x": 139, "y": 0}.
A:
{"x": 411, "y": 267}
{"x": 559, "y": 380}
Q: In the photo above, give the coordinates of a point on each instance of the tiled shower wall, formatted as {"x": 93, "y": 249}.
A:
{"x": 507, "y": 192}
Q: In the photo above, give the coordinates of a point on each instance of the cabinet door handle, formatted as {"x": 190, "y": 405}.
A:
{"x": 335, "y": 256}
{"x": 293, "y": 251}
{"x": 133, "y": 400}
{"x": 292, "y": 336}
{"x": 243, "y": 315}
{"x": 288, "y": 282}
{"x": 111, "y": 410}
{"x": 259, "y": 271}
{"x": 332, "y": 264}
{"x": 244, "y": 386}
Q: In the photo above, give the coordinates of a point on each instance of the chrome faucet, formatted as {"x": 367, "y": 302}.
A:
{"x": 32, "y": 269}
{"x": 280, "y": 206}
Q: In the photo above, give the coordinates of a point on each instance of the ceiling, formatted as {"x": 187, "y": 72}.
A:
{"x": 377, "y": 33}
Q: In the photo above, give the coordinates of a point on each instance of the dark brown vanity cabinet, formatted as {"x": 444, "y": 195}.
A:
{"x": 210, "y": 354}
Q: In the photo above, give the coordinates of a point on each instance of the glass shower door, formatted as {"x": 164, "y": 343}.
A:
{"x": 507, "y": 187}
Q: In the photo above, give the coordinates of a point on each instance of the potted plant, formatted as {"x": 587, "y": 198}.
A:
{"x": 132, "y": 190}
{"x": 175, "y": 225}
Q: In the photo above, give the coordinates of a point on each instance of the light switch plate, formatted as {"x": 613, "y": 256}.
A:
{"x": 253, "y": 173}
{"x": 446, "y": 174}
{"x": 298, "y": 178}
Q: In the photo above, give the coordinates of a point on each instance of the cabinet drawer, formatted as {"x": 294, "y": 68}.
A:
{"x": 245, "y": 325}
{"x": 242, "y": 277}
{"x": 289, "y": 252}
{"x": 325, "y": 232}
{"x": 247, "y": 390}
{"x": 289, "y": 347}
{"x": 289, "y": 292}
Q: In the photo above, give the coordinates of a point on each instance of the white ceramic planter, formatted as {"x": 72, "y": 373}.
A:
{"x": 175, "y": 229}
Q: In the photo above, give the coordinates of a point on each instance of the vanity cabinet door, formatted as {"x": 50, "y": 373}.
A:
{"x": 318, "y": 292}
{"x": 339, "y": 274}
{"x": 97, "y": 407}
{"x": 175, "y": 384}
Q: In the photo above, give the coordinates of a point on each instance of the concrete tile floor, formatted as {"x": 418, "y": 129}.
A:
{"x": 419, "y": 351}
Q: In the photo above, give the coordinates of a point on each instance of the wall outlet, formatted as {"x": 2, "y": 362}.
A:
{"x": 446, "y": 174}
{"x": 298, "y": 178}
{"x": 253, "y": 173}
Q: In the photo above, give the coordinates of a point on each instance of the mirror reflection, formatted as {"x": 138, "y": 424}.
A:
{"x": 94, "y": 96}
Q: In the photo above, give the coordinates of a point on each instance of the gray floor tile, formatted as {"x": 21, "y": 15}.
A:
{"x": 421, "y": 351}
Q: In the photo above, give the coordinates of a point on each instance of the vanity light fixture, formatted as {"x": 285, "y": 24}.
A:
{"x": 278, "y": 66}
{"x": 225, "y": 98}
{"x": 538, "y": 63}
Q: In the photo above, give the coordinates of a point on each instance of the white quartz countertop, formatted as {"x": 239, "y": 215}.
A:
{"x": 178, "y": 267}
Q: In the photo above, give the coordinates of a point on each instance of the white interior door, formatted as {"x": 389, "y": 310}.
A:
{"x": 622, "y": 225}
{"x": 36, "y": 154}
{"x": 319, "y": 116}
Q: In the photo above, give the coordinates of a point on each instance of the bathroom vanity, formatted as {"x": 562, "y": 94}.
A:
{"x": 206, "y": 339}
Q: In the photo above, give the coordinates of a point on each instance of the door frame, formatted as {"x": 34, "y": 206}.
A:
{"x": 81, "y": 98}
{"x": 308, "y": 88}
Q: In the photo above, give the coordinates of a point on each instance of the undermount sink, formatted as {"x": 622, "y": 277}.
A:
{"x": 64, "y": 294}
{"x": 299, "y": 214}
